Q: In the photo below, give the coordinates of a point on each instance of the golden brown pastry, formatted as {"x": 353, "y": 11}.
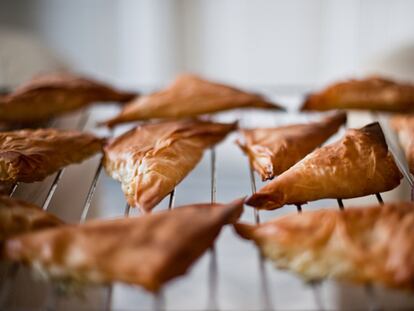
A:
{"x": 365, "y": 245}
{"x": 148, "y": 250}
{"x": 31, "y": 155}
{"x": 17, "y": 217}
{"x": 404, "y": 126}
{"x": 152, "y": 159}
{"x": 372, "y": 93}
{"x": 189, "y": 96}
{"x": 357, "y": 165}
{"x": 50, "y": 95}
{"x": 272, "y": 151}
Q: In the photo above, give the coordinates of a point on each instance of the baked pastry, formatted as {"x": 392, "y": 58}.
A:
{"x": 357, "y": 165}
{"x": 17, "y": 217}
{"x": 189, "y": 96}
{"x": 152, "y": 159}
{"x": 272, "y": 151}
{"x": 404, "y": 126}
{"x": 50, "y": 95}
{"x": 364, "y": 245}
{"x": 31, "y": 155}
{"x": 372, "y": 93}
{"x": 148, "y": 250}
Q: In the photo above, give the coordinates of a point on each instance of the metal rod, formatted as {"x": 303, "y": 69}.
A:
{"x": 127, "y": 210}
{"x": 52, "y": 190}
{"x": 318, "y": 295}
{"x": 80, "y": 125}
{"x": 340, "y": 203}
{"x": 83, "y": 120}
{"x": 108, "y": 300}
{"x": 159, "y": 301}
{"x": 13, "y": 189}
{"x": 171, "y": 200}
{"x": 379, "y": 198}
{"x": 252, "y": 179}
{"x": 213, "y": 176}
{"x": 212, "y": 303}
{"x": 373, "y": 304}
{"x": 265, "y": 296}
{"x": 91, "y": 192}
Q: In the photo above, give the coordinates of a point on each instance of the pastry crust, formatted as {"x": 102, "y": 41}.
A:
{"x": 365, "y": 245}
{"x": 272, "y": 151}
{"x": 17, "y": 217}
{"x": 189, "y": 96}
{"x": 148, "y": 250}
{"x": 152, "y": 159}
{"x": 357, "y": 165}
{"x": 404, "y": 126}
{"x": 53, "y": 94}
{"x": 31, "y": 155}
{"x": 372, "y": 93}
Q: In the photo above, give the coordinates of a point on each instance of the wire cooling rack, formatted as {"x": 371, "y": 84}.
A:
{"x": 232, "y": 275}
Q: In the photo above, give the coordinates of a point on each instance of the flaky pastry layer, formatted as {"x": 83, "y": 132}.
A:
{"x": 152, "y": 159}
{"x": 357, "y": 165}
{"x": 31, "y": 155}
{"x": 364, "y": 245}
{"x": 148, "y": 250}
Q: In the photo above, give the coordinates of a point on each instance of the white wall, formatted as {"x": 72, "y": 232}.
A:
{"x": 262, "y": 42}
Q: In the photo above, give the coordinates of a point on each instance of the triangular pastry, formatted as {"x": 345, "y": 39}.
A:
{"x": 364, "y": 245}
{"x": 50, "y": 95}
{"x": 152, "y": 159}
{"x": 17, "y": 217}
{"x": 31, "y": 155}
{"x": 189, "y": 96}
{"x": 372, "y": 93}
{"x": 148, "y": 250}
{"x": 357, "y": 165}
{"x": 272, "y": 151}
{"x": 404, "y": 126}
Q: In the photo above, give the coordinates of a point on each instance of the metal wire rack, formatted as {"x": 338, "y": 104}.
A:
{"x": 267, "y": 297}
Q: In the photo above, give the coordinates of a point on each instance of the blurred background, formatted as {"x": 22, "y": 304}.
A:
{"x": 138, "y": 43}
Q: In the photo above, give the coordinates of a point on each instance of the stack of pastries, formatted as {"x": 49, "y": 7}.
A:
{"x": 151, "y": 159}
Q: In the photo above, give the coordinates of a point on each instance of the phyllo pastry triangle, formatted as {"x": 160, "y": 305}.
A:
{"x": 372, "y": 93}
{"x": 404, "y": 126}
{"x": 17, "y": 217}
{"x": 152, "y": 159}
{"x": 364, "y": 245}
{"x": 189, "y": 96}
{"x": 50, "y": 95}
{"x": 31, "y": 155}
{"x": 272, "y": 151}
{"x": 357, "y": 165}
{"x": 148, "y": 250}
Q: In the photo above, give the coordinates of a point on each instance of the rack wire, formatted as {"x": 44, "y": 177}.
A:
{"x": 267, "y": 303}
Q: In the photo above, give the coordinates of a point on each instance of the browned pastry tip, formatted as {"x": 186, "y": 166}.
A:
{"x": 189, "y": 96}
{"x": 148, "y": 250}
{"x": 53, "y": 94}
{"x": 371, "y": 93}
{"x": 359, "y": 164}
{"x": 31, "y": 155}
{"x": 152, "y": 159}
{"x": 359, "y": 244}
